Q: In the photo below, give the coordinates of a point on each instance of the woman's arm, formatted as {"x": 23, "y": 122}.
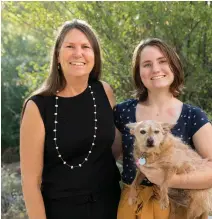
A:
{"x": 200, "y": 179}
{"x": 32, "y": 134}
{"x": 117, "y": 144}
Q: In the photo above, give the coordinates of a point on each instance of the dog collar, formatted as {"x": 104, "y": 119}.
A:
{"x": 142, "y": 161}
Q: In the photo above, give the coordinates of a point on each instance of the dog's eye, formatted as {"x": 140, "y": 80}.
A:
{"x": 156, "y": 132}
{"x": 143, "y": 132}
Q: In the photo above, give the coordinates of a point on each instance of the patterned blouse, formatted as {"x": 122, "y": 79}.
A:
{"x": 190, "y": 121}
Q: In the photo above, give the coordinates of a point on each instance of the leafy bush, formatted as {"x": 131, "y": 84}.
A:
{"x": 10, "y": 155}
{"x": 12, "y": 204}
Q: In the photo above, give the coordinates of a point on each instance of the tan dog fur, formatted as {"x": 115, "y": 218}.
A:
{"x": 175, "y": 157}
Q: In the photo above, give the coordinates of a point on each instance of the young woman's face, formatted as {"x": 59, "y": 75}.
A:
{"x": 155, "y": 72}
{"x": 76, "y": 55}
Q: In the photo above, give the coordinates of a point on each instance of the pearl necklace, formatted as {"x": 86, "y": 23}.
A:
{"x": 55, "y": 132}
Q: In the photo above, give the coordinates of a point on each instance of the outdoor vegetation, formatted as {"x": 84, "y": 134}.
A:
{"x": 28, "y": 31}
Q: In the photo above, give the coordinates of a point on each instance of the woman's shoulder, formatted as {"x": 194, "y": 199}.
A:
{"x": 195, "y": 117}
{"x": 124, "y": 112}
{"x": 40, "y": 99}
{"x": 107, "y": 88}
{"x": 42, "y": 102}
{"x": 98, "y": 86}
{"x": 194, "y": 112}
{"x": 37, "y": 97}
{"x": 126, "y": 104}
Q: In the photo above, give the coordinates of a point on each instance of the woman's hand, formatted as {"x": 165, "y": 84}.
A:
{"x": 194, "y": 180}
{"x": 153, "y": 174}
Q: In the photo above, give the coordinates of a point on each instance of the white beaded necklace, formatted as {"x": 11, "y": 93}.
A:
{"x": 55, "y": 132}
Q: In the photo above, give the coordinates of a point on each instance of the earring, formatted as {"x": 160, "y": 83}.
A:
{"x": 58, "y": 66}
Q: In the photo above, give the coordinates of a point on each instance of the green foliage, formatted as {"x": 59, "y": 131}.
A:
{"x": 28, "y": 31}
{"x": 11, "y": 89}
{"x": 29, "y": 28}
{"x": 10, "y": 155}
{"x": 12, "y": 204}
{"x": 22, "y": 68}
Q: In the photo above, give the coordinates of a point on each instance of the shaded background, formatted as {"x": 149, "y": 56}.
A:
{"x": 28, "y": 32}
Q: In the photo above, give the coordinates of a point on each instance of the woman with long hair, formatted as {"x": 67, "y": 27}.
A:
{"x": 66, "y": 136}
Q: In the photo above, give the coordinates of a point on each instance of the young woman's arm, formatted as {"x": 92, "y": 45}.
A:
{"x": 202, "y": 179}
{"x": 32, "y": 134}
{"x": 196, "y": 180}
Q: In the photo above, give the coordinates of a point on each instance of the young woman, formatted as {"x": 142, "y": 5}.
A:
{"x": 67, "y": 130}
{"x": 158, "y": 78}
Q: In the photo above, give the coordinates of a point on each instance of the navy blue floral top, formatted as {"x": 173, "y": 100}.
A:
{"x": 190, "y": 121}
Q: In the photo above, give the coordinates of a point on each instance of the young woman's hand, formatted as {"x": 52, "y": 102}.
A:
{"x": 153, "y": 174}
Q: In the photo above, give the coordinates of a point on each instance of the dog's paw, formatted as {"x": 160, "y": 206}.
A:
{"x": 164, "y": 204}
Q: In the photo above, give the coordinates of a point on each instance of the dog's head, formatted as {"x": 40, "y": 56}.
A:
{"x": 149, "y": 134}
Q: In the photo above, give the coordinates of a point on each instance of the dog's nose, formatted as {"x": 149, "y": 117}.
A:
{"x": 150, "y": 142}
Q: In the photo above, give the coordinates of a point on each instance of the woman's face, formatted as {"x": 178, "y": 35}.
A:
{"x": 76, "y": 55}
{"x": 155, "y": 72}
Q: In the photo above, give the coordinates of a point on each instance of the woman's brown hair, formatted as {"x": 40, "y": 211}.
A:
{"x": 174, "y": 63}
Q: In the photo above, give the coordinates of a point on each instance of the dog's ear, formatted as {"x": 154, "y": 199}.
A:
{"x": 131, "y": 126}
{"x": 167, "y": 126}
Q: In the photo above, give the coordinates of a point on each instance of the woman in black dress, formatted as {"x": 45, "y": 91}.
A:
{"x": 67, "y": 132}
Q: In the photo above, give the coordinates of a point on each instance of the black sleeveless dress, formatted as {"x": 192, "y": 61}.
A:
{"x": 91, "y": 191}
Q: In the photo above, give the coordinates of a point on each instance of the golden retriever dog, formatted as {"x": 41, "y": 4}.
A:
{"x": 155, "y": 143}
